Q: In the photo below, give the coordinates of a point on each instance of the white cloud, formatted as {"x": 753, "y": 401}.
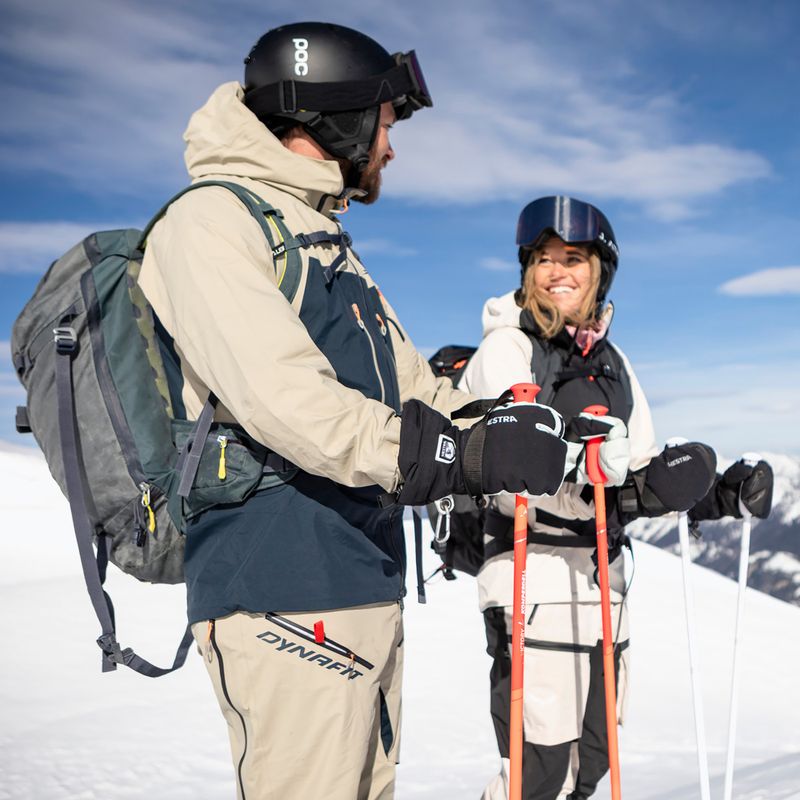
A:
{"x": 513, "y": 116}
{"x": 710, "y": 398}
{"x": 777, "y": 281}
{"x": 32, "y": 246}
{"x": 494, "y": 264}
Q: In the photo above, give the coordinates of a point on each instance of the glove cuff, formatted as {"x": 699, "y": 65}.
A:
{"x": 430, "y": 457}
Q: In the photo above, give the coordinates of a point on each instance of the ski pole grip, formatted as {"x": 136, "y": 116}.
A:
{"x": 596, "y": 475}
{"x": 751, "y": 459}
{"x": 525, "y": 392}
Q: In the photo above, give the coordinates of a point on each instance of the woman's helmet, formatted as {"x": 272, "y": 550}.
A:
{"x": 575, "y": 222}
{"x": 331, "y": 80}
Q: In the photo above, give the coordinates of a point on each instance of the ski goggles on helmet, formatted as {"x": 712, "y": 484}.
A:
{"x": 417, "y": 96}
{"x": 571, "y": 220}
{"x": 403, "y": 85}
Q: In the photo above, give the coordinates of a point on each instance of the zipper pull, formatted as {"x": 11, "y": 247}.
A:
{"x": 209, "y": 647}
{"x": 381, "y": 323}
{"x": 139, "y": 525}
{"x": 357, "y": 312}
{"x": 222, "y": 471}
{"x": 151, "y": 517}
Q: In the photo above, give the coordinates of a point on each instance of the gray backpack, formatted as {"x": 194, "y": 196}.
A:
{"x": 98, "y": 369}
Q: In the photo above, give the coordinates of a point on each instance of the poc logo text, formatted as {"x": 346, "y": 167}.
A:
{"x": 300, "y": 56}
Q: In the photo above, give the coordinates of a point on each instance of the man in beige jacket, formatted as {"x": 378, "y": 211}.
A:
{"x": 295, "y": 593}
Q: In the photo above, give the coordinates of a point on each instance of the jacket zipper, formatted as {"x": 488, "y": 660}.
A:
{"x": 400, "y": 560}
{"x": 362, "y": 325}
{"x": 305, "y": 633}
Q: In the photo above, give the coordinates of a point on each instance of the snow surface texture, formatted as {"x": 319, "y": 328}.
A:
{"x": 69, "y": 732}
{"x": 775, "y": 544}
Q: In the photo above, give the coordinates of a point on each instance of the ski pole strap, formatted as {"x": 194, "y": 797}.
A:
{"x": 417, "y": 517}
{"x": 93, "y": 567}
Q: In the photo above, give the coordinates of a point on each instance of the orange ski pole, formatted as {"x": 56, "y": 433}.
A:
{"x": 523, "y": 393}
{"x": 597, "y": 477}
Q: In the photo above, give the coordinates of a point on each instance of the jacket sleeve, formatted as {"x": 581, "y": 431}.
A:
{"x": 503, "y": 359}
{"x": 209, "y": 275}
{"x": 415, "y": 376}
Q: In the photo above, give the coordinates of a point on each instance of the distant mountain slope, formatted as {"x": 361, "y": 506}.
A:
{"x": 775, "y": 543}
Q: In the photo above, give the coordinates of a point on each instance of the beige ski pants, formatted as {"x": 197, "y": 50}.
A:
{"x": 312, "y": 700}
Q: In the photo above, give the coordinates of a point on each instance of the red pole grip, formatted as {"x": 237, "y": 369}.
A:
{"x": 596, "y": 475}
{"x": 525, "y": 392}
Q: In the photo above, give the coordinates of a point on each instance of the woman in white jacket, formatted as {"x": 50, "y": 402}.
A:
{"x": 554, "y": 331}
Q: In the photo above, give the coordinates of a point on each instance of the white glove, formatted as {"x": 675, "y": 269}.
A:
{"x": 615, "y": 450}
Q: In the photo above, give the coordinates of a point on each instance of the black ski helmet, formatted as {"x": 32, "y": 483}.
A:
{"x": 332, "y": 81}
{"x": 574, "y": 221}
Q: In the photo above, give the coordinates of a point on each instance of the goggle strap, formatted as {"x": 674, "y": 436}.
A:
{"x": 289, "y": 96}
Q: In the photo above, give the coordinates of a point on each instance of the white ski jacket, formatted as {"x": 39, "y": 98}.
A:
{"x": 554, "y": 574}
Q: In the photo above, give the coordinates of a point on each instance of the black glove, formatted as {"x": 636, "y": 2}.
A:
{"x": 680, "y": 475}
{"x": 753, "y": 483}
{"x": 514, "y": 448}
{"x": 673, "y": 481}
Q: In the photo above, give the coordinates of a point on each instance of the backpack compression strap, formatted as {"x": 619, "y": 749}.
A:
{"x": 94, "y": 570}
{"x": 284, "y": 246}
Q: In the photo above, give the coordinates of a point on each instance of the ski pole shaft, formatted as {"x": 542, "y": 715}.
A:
{"x": 523, "y": 393}
{"x": 744, "y": 562}
{"x": 597, "y": 477}
{"x": 694, "y": 672}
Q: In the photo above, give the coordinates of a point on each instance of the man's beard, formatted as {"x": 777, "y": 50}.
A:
{"x": 370, "y": 182}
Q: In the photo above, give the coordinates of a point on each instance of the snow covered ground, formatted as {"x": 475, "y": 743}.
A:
{"x": 69, "y": 732}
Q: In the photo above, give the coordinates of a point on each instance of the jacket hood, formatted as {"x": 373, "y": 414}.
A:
{"x": 500, "y": 312}
{"x": 225, "y": 138}
{"x": 503, "y": 312}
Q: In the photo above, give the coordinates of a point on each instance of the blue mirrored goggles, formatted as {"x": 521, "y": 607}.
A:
{"x": 571, "y": 220}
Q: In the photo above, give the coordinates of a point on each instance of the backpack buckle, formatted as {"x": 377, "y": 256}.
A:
{"x": 66, "y": 339}
{"x": 111, "y": 649}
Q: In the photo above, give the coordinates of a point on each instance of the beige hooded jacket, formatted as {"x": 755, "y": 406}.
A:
{"x": 209, "y": 274}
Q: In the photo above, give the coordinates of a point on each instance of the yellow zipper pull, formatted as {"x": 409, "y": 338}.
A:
{"x": 151, "y": 517}
{"x": 357, "y": 312}
{"x": 381, "y": 323}
{"x": 222, "y": 472}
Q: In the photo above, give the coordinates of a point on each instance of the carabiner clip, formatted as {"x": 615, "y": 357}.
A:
{"x": 444, "y": 507}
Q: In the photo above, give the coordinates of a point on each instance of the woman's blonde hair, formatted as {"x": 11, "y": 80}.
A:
{"x": 547, "y": 314}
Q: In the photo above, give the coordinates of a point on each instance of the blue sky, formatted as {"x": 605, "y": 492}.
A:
{"x": 679, "y": 120}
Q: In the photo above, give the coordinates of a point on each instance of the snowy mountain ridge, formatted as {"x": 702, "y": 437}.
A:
{"x": 775, "y": 542}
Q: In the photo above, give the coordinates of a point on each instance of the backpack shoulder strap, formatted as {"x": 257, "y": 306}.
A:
{"x": 622, "y": 376}
{"x": 269, "y": 218}
{"x": 545, "y": 363}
